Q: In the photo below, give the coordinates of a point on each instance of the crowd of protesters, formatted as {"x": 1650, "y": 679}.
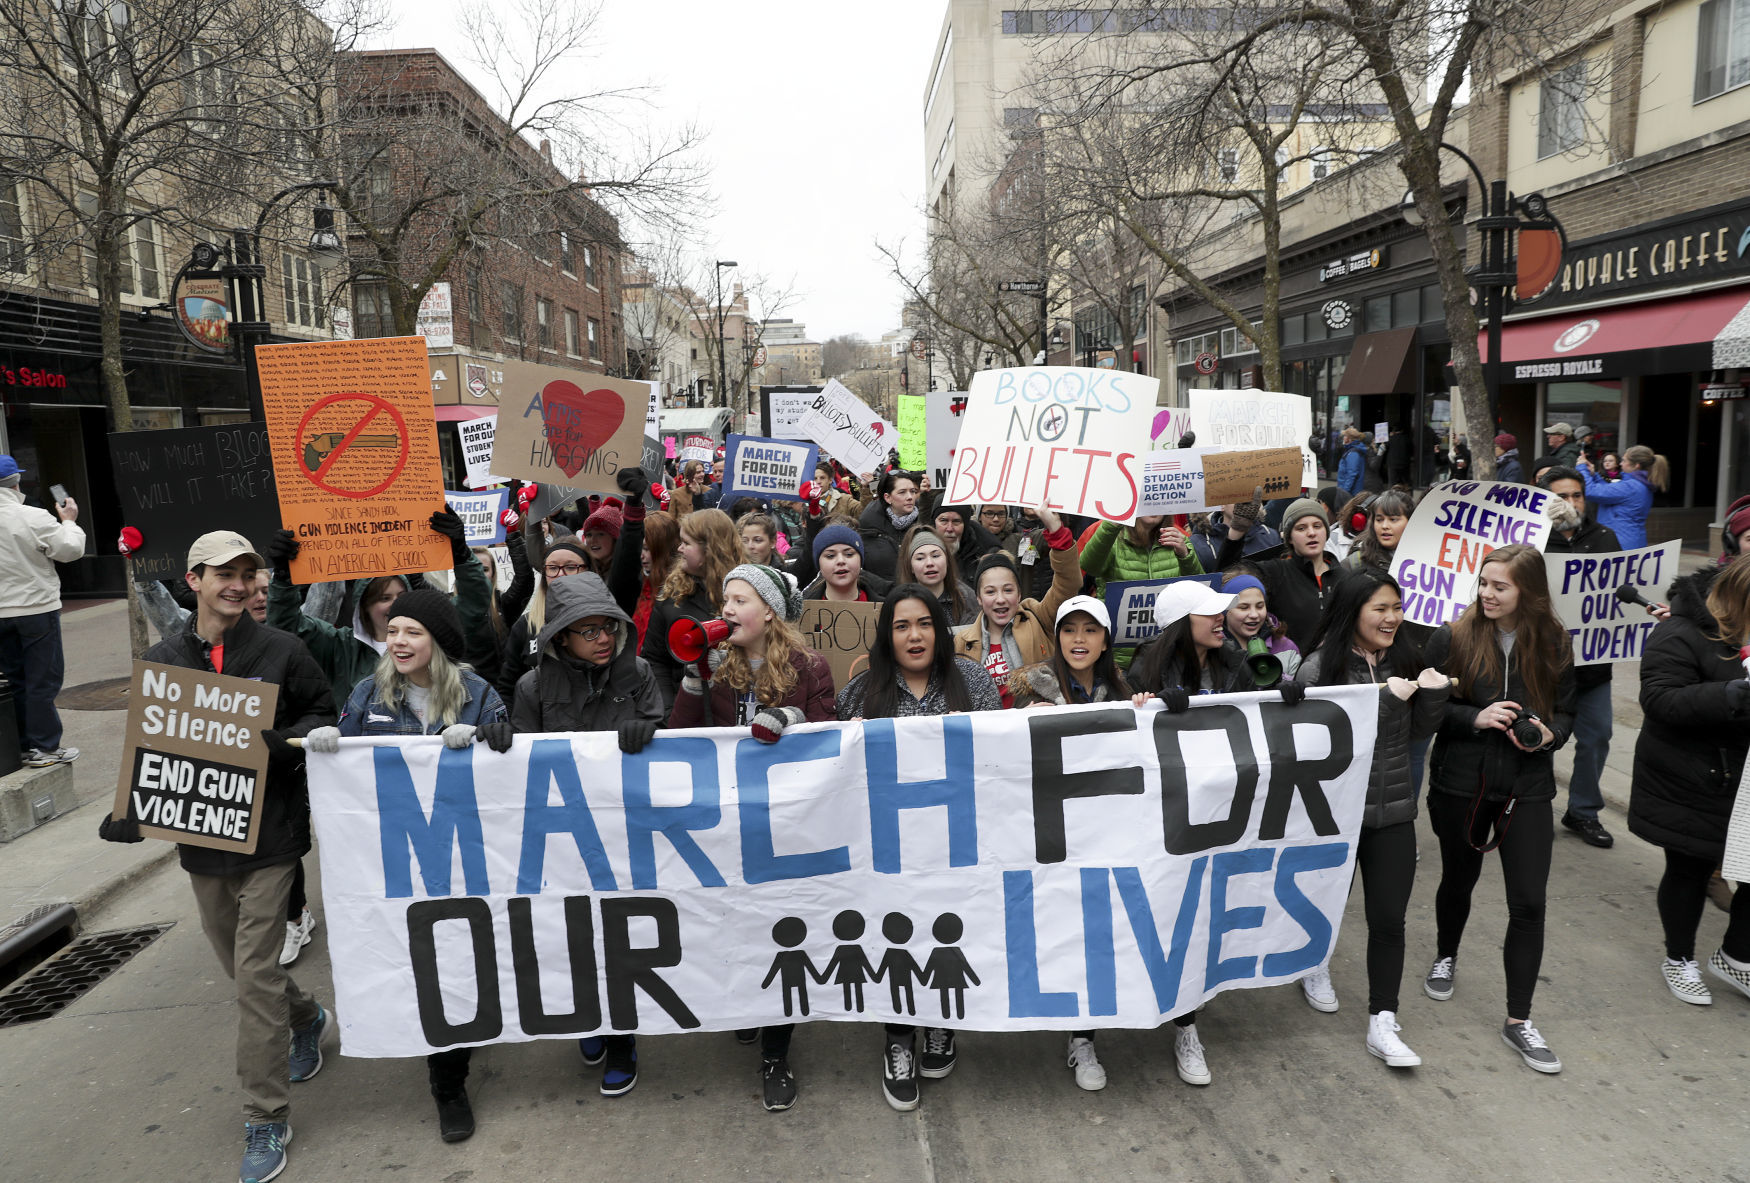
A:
{"x": 987, "y": 607}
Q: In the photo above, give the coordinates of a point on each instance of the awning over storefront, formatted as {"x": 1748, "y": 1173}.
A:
{"x": 1381, "y": 363}
{"x": 1652, "y": 337}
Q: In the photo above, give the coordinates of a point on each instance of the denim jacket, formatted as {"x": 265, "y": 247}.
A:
{"x": 365, "y": 713}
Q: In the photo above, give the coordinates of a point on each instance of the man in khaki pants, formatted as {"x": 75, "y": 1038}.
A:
{"x": 242, "y": 897}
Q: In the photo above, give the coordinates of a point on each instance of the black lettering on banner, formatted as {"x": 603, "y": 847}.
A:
{"x": 1291, "y": 773}
{"x": 422, "y": 919}
{"x": 1052, "y": 786}
{"x": 586, "y": 1003}
{"x": 631, "y": 969}
{"x": 1181, "y": 836}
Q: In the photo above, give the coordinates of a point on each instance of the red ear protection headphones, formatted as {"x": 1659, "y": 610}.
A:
{"x": 1358, "y": 519}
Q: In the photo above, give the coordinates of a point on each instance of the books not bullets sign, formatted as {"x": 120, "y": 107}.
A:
{"x": 193, "y": 760}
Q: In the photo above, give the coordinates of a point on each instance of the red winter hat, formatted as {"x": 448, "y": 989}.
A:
{"x": 606, "y": 519}
{"x": 1738, "y": 516}
{"x": 1506, "y": 441}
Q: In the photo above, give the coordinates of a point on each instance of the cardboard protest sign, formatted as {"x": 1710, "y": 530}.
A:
{"x": 1216, "y": 854}
{"x": 1131, "y": 604}
{"x": 1241, "y": 419}
{"x": 355, "y": 455}
{"x": 479, "y": 513}
{"x": 840, "y": 631}
{"x": 568, "y": 427}
{"x": 945, "y": 410}
{"x": 1582, "y": 591}
{"x": 1454, "y": 528}
{"x": 846, "y": 429}
{"x": 914, "y": 417}
{"x": 1068, "y": 439}
{"x": 193, "y": 760}
{"x": 767, "y": 468}
{"x": 1179, "y": 480}
{"x": 177, "y": 484}
{"x": 476, "y": 436}
{"x": 698, "y": 447}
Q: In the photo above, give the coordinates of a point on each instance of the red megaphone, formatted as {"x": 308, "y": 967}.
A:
{"x": 689, "y": 639}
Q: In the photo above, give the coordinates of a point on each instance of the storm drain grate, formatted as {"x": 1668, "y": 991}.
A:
{"x": 58, "y": 982}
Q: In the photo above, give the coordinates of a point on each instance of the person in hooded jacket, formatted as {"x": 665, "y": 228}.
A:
{"x": 421, "y": 687}
{"x": 1356, "y": 647}
{"x": 1688, "y": 761}
{"x": 886, "y": 519}
{"x": 1352, "y": 466}
{"x": 1010, "y": 632}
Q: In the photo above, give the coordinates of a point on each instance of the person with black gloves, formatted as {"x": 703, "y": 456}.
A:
{"x": 587, "y": 677}
{"x": 767, "y": 678}
{"x": 243, "y": 897}
{"x": 421, "y": 687}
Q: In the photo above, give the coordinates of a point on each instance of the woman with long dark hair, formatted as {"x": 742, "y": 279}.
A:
{"x": 1494, "y": 770}
{"x": 1385, "y": 517}
{"x": 1356, "y": 647}
{"x": 1190, "y": 655}
{"x": 913, "y": 670}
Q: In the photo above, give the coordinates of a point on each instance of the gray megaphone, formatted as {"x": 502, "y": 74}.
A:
{"x": 1266, "y": 667}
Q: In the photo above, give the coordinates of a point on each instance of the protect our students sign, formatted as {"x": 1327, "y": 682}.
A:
{"x": 1069, "y": 439}
{"x": 1455, "y": 527}
{"x": 1583, "y": 593}
{"x": 766, "y": 468}
{"x": 1097, "y": 866}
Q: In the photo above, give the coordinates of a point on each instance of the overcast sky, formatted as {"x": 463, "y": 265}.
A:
{"x": 813, "y": 114}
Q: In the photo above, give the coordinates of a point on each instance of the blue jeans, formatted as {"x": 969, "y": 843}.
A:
{"x": 1418, "y": 762}
{"x": 1592, "y": 724}
{"x": 30, "y": 659}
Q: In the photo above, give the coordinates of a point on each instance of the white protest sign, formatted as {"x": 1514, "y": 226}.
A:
{"x": 1582, "y": 591}
{"x": 653, "y": 413}
{"x": 1086, "y": 867}
{"x": 766, "y": 468}
{"x": 1191, "y": 480}
{"x": 846, "y": 429}
{"x": 480, "y": 514}
{"x": 943, "y": 412}
{"x": 1065, "y": 438}
{"x": 476, "y": 436}
{"x": 698, "y": 447}
{"x": 787, "y": 409}
{"x": 435, "y": 321}
{"x": 1455, "y": 527}
{"x": 1236, "y": 419}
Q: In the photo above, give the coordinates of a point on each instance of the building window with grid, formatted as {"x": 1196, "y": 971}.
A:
{"x": 571, "y": 333}
{"x": 589, "y": 275}
{"x": 371, "y": 313}
{"x": 544, "y": 323}
{"x": 595, "y": 339}
{"x": 1561, "y": 110}
{"x": 567, "y": 257}
{"x": 13, "y": 256}
{"x": 510, "y": 307}
{"x": 1722, "y": 48}
{"x": 301, "y": 281}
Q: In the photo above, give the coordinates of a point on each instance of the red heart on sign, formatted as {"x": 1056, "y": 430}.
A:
{"x": 577, "y": 423}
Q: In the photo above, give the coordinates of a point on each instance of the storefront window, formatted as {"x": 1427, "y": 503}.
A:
{"x": 1596, "y": 404}
{"x": 1377, "y": 315}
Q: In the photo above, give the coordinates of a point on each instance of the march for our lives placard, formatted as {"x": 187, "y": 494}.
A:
{"x": 766, "y": 468}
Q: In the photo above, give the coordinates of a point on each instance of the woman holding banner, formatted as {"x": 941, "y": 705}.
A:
{"x": 421, "y": 687}
{"x": 924, "y": 558}
{"x": 1011, "y": 632}
{"x": 1688, "y": 765}
{"x": 1494, "y": 769}
{"x": 1356, "y": 647}
{"x": 1079, "y": 670}
{"x": 913, "y": 670}
{"x": 709, "y": 550}
{"x": 766, "y": 678}
{"x": 1250, "y": 618}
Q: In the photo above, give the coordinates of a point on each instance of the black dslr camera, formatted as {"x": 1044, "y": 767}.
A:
{"x": 1525, "y": 730}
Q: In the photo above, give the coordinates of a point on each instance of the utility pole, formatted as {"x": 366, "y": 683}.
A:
{"x": 722, "y": 339}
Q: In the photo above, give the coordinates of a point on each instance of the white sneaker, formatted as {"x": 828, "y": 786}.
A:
{"x": 1188, "y": 1052}
{"x": 1320, "y": 994}
{"x": 1089, "y": 1074}
{"x": 1684, "y": 978}
{"x": 1383, "y": 1041}
{"x": 297, "y": 936}
{"x": 41, "y": 758}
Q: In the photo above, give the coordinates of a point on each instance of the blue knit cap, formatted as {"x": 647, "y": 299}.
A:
{"x": 1240, "y": 583}
{"x": 837, "y": 535}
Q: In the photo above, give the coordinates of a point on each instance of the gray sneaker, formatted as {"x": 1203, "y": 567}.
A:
{"x": 1438, "y": 984}
{"x": 38, "y": 758}
{"x": 1524, "y": 1039}
{"x": 305, "y": 1059}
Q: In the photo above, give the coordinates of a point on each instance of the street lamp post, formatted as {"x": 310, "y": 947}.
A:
{"x": 722, "y": 340}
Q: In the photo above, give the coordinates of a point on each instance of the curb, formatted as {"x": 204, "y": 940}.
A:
{"x": 94, "y": 899}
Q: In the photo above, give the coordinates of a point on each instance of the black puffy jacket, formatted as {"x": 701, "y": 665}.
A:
{"x": 1156, "y": 668}
{"x": 1462, "y": 753}
{"x": 1296, "y": 596}
{"x": 663, "y": 614}
{"x": 1391, "y": 798}
{"x": 263, "y": 654}
{"x": 1691, "y": 750}
{"x": 564, "y": 694}
{"x": 881, "y": 539}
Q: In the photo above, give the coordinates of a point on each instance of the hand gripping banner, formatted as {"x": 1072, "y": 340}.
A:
{"x": 1096, "y": 866}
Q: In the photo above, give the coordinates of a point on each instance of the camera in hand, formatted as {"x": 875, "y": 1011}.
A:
{"x": 1525, "y": 729}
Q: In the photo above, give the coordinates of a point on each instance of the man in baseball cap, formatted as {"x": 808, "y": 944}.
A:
{"x": 220, "y": 547}
{"x": 1563, "y": 448}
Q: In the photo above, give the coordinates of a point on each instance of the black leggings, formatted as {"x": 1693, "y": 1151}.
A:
{"x": 1683, "y": 897}
{"x": 296, "y": 901}
{"x": 1386, "y": 861}
{"x": 1525, "y": 859}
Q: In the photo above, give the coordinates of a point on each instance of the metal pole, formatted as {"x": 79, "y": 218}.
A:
{"x": 722, "y": 349}
{"x": 1495, "y": 255}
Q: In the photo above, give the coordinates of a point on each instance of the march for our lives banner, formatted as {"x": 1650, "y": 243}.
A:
{"x": 1455, "y": 526}
{"x": 1131, "y": 605}
{"x": 1097, "y": 866}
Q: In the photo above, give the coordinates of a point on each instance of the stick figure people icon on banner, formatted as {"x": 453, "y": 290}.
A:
{"x": 947, "y": 970}
{"x": 792, "y": 967}
{"x": 897, "y": 965}
{"x": 849, "y": 966}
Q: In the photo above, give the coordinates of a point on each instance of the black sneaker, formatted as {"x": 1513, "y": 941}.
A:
{"x": 778, "y": 1085}
{"x": 1438, "y": 984}
{"x": 1525, "y": 1039}
{"x": 899, "y": 1075}
{"x": 938, "y": 1058}
{"x": 455, "y": 1116}
{"x": 593, "y": 1049}
{"x": 621, "y": 1072}
{"x": 1591, "y": 831}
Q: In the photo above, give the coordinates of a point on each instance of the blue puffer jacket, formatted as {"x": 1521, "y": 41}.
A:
{"x": 1352, "y": 468}
{"x": 366, "y": 714}
{"x": 1622, "y": 505}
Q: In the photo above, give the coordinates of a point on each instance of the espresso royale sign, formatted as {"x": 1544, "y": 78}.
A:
{"x": 1703, "y": 247}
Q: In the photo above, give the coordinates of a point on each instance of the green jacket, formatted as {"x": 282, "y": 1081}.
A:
{"x": 342, "y": 651}
{"x": 1111, "y": 555}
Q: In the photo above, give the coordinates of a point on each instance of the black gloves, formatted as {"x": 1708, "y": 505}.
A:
{"x": 280, "y": 550}
{"x": 636, "y": 733}
{"x": 1175, "y": 699}
{"x": 278, "y": 747}
{"x": 445, "y": 522}
{"x": 119, "y": 829}
{"x": 1293, "y": 693}
{"x": 1738, "y": 694}
{"x": 495, "y": 735}
{"x": 633, "y": 483}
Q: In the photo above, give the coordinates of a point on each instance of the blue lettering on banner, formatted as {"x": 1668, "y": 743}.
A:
{"x": 754, "y": 761}
{"x": 551, "y": 764}
{"x": 645, "y": 820}
{"x": 888, "y": 794}
{"x": 1299, "y": 860}
{"x": 1131, "y": 605}
{"x": 1026, "y": 999}
{"x": 454, "y": 821}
